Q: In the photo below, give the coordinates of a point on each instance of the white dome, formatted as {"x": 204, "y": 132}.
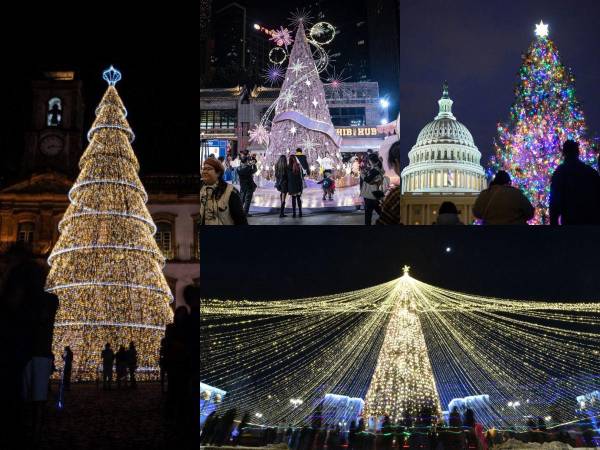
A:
{"x": 444, "y": 158}
{"x": 445, "y": 131}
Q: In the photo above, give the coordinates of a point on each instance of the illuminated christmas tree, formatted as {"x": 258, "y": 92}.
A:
{"x": 301, "y": 113}
{"x": 106, "y": 267}
{"x": 403, "y": 379}
{"x": 544, "y": 115}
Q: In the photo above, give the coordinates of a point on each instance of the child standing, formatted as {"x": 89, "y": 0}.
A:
{"x": 328, "y": 185}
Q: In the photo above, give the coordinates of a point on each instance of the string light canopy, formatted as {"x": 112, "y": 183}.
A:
{"x": 402, "y": 346}
{"x": 106, "y": 267}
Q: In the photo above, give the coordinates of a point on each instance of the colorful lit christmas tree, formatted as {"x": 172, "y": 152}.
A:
{"x": 544, "y": 115}
{"x": 106, "y": 267}
{"x": 301, "y": 114}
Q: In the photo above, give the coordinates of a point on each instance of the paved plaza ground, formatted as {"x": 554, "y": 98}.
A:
{"x": 312, "y": 218}
{"x": 116, "y": 419}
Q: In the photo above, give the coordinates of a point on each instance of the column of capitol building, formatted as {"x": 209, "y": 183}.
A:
{"x": 444, "y": 165}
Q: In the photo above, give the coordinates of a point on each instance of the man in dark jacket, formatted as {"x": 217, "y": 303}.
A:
{"x": 246, "y": 173}
{"x": 301, "y": 157}
{"x": 574, "y": 190}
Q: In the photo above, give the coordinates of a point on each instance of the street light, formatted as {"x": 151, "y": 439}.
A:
{"x": 384, "y": 102}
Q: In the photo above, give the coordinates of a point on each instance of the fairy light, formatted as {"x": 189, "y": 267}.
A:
{"x": 106, "y": 267}
{"x": 402, "y": 345}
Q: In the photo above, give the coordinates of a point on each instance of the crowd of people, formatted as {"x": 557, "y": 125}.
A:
{"x": 425, "y": 431}
{"x": 574, "y": 192}
{"x": 27, "y": 327}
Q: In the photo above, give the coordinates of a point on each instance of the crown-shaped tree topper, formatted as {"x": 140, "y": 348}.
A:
{"x": 111, "y": 75}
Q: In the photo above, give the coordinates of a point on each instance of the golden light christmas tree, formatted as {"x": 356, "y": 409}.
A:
{"x": 106, "y": 267}
{"x": 403, "y": 380}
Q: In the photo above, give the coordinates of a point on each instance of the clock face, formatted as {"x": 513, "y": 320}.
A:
{"x": 51, "y": 145}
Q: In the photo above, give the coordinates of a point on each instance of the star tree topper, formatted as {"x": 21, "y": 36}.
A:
{"x": 541, "y": 29}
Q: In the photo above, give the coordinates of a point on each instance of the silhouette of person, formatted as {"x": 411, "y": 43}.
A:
{"x": 121, "y": 361}
{"x": 574, "y": 190}
{"x": 67, "y": 357}
{"x": 132, "y": 363}
{"x": 108, "y": 358}
{"x": 502, "y": 204}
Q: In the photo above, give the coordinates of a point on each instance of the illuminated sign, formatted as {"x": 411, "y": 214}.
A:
{"x": 358, "y": 132}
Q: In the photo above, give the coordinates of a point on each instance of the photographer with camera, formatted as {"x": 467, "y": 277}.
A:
{"x": 246, "y": 172}
{"x": 372, "y": 189}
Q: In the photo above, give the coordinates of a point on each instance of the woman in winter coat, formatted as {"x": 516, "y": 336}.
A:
{"x": 220, "y": 203}
{"x": 295, "y": 184}
{"x": 372, "y": 187}
{"x": 281, "y": 182}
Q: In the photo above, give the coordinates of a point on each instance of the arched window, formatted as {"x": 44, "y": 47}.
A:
{"x": 54, "y": 112}
{"x": 25, "y": 232}
{"x": 164, "y": 238}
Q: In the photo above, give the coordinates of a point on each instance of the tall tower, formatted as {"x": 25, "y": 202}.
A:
{"x": 54, "y": 140}
{"x": 403, "y": 379}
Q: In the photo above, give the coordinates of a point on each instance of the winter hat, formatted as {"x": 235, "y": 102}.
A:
{"x": 215, "y": 164}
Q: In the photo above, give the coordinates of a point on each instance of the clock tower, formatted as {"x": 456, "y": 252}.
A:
{"x": 54, "y": 140}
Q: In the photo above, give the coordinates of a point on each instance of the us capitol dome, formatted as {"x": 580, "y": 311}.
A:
{"x": 445, "y": 158}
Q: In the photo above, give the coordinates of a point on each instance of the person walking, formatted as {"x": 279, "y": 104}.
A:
{"x": 67, "y": 358}
{"x": 574, "y": 190}
{"x": 295, "y": 184}
{"x": 372, "y": 187}
{"x": 246, "y": 172}
{"x": 220, "y": 203}
{"x": 502, "y": 204}
{"x": 121, "y": 363}
{"x": 108, "y": 359}
{"x": 281, "y": 182}
{"x": 132, "y": 363}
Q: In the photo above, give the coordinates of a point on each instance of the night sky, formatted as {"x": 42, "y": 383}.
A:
{"x": 508, "y": 262}
{"x": 158, "y": 61}
{"x": 477, "y": 47}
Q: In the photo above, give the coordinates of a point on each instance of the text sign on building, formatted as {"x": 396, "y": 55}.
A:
{"x": 358, "y": 132}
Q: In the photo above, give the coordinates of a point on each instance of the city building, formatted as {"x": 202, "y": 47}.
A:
{"x": 226, "y": 116}
{"x": 32, "y": 205}
{"x": 444, "y": 165}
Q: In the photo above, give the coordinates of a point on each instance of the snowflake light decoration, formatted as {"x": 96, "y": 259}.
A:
{"x": 296, "y": 67}
{"x": 282, "y": 37}
{"x": 259, "y": 135}
{"x": 287, "y": 97}
{"x": 309, "y": 145}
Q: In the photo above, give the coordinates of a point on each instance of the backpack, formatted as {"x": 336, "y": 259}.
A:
{"x": 327, "y": 182}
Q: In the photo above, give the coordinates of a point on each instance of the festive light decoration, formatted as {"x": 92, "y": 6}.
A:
{"x": 277, "y": 55}
{"x": 274, "y": 74}
{"x": 308, "y": 114}
{"x": 322, "y": 33}
{"x": 402, "y": 345}
{"x": 282, "y": 37}
{"x": 544, "y": 115}
{"x": 260, "y": 135}
{"x": 106, "y": 267}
